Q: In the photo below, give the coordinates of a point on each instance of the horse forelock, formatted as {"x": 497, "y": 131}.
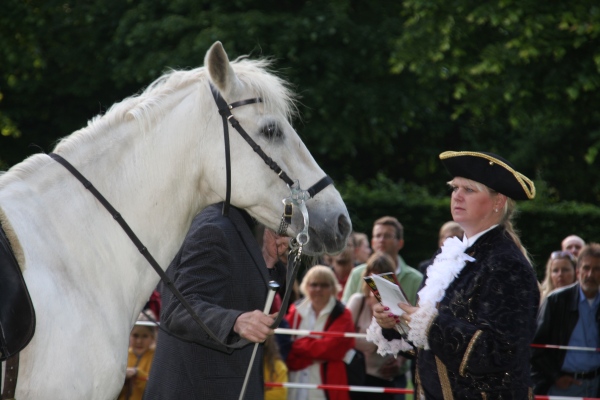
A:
{"x": 275, "y": 91}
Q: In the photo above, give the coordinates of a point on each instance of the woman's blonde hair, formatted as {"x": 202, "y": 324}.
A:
{"x": 509, "y": 213}
{"x": 321, "y": 273}
{"x": 547, "y": 286}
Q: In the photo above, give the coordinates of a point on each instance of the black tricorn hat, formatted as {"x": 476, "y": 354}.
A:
{"x": 490, "y": 169}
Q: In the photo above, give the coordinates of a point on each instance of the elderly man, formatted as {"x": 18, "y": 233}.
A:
{"x": 221, "y": 272}
{"x": 573, "y": 244}
{"x": 569, "y": 317}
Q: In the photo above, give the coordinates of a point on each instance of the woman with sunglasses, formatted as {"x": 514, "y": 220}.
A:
{"x": 560, "y": 271}
{"x": 319, "y": 359}
{"x": 476, "y": 315}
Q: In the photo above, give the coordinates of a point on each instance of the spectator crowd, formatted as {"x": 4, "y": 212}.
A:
{"x": 333, "y": 296}
{"x": 476, "y": 322}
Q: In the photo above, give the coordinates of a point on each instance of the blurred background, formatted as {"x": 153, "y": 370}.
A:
{"x": 385, "y": 86}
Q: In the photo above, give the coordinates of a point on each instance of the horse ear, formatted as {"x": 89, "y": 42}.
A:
{"x": 219, "y": 69}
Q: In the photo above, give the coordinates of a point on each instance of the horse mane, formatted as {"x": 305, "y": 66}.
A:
{"x": 150, "y": 104}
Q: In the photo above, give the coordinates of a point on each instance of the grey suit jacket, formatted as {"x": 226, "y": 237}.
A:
{"x": 221, "y": 273}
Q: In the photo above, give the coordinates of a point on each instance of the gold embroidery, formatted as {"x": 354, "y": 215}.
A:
{"x": 463, "y": 364}
{"x": 419, "y": 392}
{"x": 531, "y": 396}
{"x": 444, "y": 380}
{"x": 524, "y": 181}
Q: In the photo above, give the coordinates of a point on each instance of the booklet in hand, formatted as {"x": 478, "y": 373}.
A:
{"x": 388, "y": 292}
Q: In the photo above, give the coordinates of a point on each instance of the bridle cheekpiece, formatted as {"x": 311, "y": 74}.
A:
{"x": 298, "y": 197}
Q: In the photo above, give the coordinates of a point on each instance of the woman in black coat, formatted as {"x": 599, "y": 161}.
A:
{"x": 475, "y": 319}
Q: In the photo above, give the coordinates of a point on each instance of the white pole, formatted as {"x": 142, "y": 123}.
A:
{"x": 273, "y": 286}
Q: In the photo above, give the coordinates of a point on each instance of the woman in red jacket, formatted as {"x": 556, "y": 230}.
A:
{"x": 319, "y": 360}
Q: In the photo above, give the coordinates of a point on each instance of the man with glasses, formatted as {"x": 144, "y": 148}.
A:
{"x": 569, "y": 317}
{"x": 388, "y": 237}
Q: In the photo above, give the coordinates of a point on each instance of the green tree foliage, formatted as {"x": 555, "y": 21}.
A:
{"x": 386, "y": 86}
{"x": 519, "y": 77}
{"x": 81, "y": 57}
{"x": 54, "y": 74}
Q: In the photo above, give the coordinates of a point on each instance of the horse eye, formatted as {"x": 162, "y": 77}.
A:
{"x": 271, "y": 131}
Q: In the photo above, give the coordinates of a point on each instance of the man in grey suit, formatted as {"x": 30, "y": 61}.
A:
{"x": 221, "y": 272}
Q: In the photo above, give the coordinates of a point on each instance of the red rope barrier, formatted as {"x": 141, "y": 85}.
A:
{"x": 304, "y": 332}
{"x": 555, "y": 346}
{"x": 301, "y": 332}
{"x": 374, "y": 389}
{"x": 369, "y": 389}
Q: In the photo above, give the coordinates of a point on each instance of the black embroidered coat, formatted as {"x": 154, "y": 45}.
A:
{"x": 480, "y": 340}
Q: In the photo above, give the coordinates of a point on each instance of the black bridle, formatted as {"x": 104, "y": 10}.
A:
{"x": 298, "y": 197}
{"x": 226, "y": 115}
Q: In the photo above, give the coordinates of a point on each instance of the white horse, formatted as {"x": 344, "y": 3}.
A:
{"x": 158, "y": 158}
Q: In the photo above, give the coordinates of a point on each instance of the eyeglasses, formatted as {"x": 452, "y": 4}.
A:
{"x": 385, "y": 236}
{"x": 557, "y": 255}
{"x": 315, "y": 285}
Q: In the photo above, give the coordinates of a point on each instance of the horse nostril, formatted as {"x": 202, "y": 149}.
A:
{"x": 344, "y": 226}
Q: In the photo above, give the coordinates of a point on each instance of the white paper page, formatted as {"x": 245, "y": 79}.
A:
{"x": 390, "y": 294}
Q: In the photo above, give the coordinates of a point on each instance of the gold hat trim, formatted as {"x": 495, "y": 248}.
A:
{"x": 525, "y": 182}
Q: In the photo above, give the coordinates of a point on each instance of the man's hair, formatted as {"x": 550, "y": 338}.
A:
{"x": 451, "y": 227}
{"x": 589, "y": 250}
{"x": 358, "y": 238}
{"x": 391, "y": 221}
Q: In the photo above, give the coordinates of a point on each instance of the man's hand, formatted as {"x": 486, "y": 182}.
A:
{"x": 565, "y": 381}
{"x": 254, "y": 326}
{"x": 130, "y": 372}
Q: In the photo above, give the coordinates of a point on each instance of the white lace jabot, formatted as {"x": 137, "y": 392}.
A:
{"x": 445, "y": 268}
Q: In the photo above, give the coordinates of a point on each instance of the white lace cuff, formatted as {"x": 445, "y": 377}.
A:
{"x": 419, "y": 322}
{"x": 385, "y": 346}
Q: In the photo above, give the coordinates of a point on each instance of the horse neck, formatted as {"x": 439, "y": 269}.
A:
{"x": 152, "y": 180}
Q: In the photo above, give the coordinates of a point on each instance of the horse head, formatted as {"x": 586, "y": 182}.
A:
{"x": 267, "y": 122}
